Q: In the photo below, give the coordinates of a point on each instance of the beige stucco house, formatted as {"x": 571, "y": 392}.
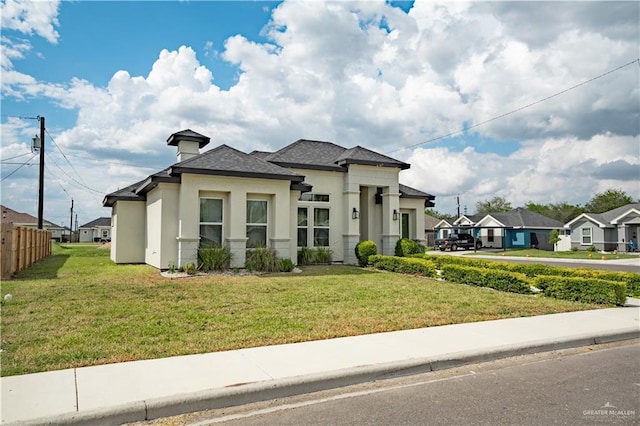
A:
{"x": 307, "y": 194}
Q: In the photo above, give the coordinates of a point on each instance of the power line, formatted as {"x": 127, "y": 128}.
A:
{"x": 21, "y": 166}
{"x": 17, "y": 156}
{"x": 72, "y": 178}
{"x": 518, "y": 109}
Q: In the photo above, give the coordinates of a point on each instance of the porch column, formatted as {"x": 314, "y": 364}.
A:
{"x": 623, "y": 239}
{"x": 351, "y": 235}
{"x": 390, "y": 227}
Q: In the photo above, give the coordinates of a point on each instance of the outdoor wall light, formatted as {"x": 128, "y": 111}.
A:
{"x": 354, "y": 213}
{"x": 395, "y": 214}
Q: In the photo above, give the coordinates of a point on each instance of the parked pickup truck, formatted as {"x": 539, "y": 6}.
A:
{"x": 453, "y": 241}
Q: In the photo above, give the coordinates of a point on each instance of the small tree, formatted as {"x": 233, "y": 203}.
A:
{"x": 554, "y": 238}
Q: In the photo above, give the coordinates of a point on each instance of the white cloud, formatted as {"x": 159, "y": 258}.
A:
{"x": 31, "y": 17}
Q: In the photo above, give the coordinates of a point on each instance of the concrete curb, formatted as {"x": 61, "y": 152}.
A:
{"x": 281, "y": 388}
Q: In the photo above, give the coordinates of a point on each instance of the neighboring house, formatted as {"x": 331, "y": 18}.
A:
{"x": 307, "y": 194}
{"x": 616, "y": 229}
{"x": 518, "y": 228}
{"x": 462, "y": 224}
{"x": 95, "y": 231}
{"x": 430, "y": 224}
{"x": 58, "y": 233}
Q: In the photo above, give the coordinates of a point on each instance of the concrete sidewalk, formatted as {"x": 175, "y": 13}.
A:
{"x": 142, "y": 390}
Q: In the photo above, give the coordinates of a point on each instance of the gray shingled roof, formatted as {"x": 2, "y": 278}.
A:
{"x": 101, "y": 221}
{"x": 408, "y": 192}
{"x": 127, "y": 193}
{"x": 523, "y": 218}
{"x": 606, "y": 217}
{"x": 228, "y": 161}
{"x": 321, "y": 155}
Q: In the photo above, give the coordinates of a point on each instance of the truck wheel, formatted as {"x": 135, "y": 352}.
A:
{"x": 454, "y": 247}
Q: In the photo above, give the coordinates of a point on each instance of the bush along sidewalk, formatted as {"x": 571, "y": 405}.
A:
{"x": 576, "y": 288}
{"x": 630, "y": 279}
{"x": 582, "y": 289}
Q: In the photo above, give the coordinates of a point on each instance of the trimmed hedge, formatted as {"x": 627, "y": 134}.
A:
{"x": 512, "y": 282}
{"x": 532, "y": 270}
{"x": 404, "y": 265}
{"x": 580, "y": 289}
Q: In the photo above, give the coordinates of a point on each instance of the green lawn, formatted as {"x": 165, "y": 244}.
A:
{"x": 77, "y": 308}
{"x": 580, "y": 254}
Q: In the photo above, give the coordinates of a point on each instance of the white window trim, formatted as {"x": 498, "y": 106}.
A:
{"x": 307, "y": 208}
{"x": 265, "y": 225}
{"x": 212, "y": 223}
{"x": 582, "y": 243}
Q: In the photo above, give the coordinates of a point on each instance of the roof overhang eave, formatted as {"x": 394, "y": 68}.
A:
{"x": 232, "y": 173}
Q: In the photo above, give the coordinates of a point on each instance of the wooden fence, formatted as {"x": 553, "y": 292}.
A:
{"x": 22, "y": 247}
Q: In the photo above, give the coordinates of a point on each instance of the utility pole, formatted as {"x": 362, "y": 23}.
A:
{"x": 41, "y": 183}
{"x": 458, "y": 203}
{"x": 71, "y": 223}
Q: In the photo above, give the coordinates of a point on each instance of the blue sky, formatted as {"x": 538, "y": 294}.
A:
{"x": 115, "y": 79}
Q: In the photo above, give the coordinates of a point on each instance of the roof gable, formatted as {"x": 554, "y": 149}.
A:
{"x": 364, "y": 156}
{"x": 606, "y": 219}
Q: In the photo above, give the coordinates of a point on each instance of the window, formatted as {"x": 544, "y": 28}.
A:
{"x": 308, "y": 196}
{"x": 490, "y": 235}
{"x": 586, "y": 236}
{"x": 256, "y": 223}
{"x": 105, "y": 233}
{"x": 210, "y": 222}
{"x": 321, "y": 227}
{"x": 303, "y": 226}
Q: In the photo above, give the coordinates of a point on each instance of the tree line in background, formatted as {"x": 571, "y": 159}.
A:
{"x": 563, "y": 211}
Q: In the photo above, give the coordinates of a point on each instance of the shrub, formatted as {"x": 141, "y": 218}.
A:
{"x": 414, "y": 266}
{"x": 592, "y": 248}
{"x": 406, "y": 247}
{"x": 580, "y": 289}
{"x": 306, "y": 256}
{"x": 190, "y": 268}
{"x": 364, "y": 249}
{"x": 262, "y": 259}
{"x": 323, "y": 255}
{"x": 512, "y": 282}
{"x": 214, "y": 258}
{"x": 463, "y": 274}
{"x": 286, "y": 265}
{"x": 574, "y": 248}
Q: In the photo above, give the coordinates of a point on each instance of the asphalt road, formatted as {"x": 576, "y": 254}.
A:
{"x": 590, "y": 385}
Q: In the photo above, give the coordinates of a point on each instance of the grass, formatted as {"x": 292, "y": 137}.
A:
{"x": 580, "y": 254}
{"x": 77, "y": 308}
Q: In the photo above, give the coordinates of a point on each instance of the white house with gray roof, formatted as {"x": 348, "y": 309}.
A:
{"x": 95, "y": 231}
{"x": 307, "y": 194}
{"x": 615, "y": 229}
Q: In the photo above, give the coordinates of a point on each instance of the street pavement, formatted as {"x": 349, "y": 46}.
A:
{"x": 142, "y": 390}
